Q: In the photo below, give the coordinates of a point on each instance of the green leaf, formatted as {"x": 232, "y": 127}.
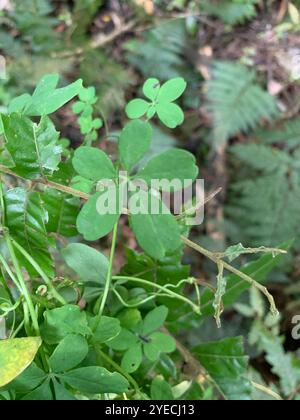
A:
{"x": 46, "y": 99}
{"x": 15, "y": 356}
{"x": 151, "y": 88}
{"x": 123, "y": 341}
{"x": 159, "y": 343}
{"x": 33, "y": 148}
{"x": 61, "y": 393}
{"x": 134, "y": 143}
{"x": 93, "y": 164}
{"x": 42, "y": 393}
{"x": 172, "y": 90}
{"x": 90, "y": 264}
{"x": 62, "y": 211}
{"x": 63, "y": 321}
{"x": 93, "y": 225}
{"x": 70, "y": 352}
{"x": 132, "y": 359}
{"x": 30, "y": 379}
{"x": 170, "y": 114}
{"x": 25, "y": 219}
{"x": 96, "y": 380}
{"x": 155, "y": 319}
{"x": 137, "y": 108}
{"x": 108, "y": 328}
{"x": 157, "y": 234}
{"x": 161, "y": 390}
{"x": 227, "y": 364}
{"x": 171, "y": 165}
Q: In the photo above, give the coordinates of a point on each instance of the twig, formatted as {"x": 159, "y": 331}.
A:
{"x": 267, "y": 391}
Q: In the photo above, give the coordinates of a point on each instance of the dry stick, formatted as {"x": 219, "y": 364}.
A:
{"x": 267, "y": 391}
{"x": 228, "y": 267}
{"x": 99, "y": 41}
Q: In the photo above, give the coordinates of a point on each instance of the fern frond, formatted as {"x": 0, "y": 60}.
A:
{"x": 265, "y": 203}
{"x": 288, "y": 134}
{"x": 236, "y": 102}
{"x": 232, "y": 12}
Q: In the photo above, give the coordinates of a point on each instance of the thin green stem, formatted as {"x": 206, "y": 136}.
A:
{"x": 23, "y": 285}
{"x": 36, "y": 266}
{"x": 110, "y": 270}
{"x": 164, "y": 289}
{"x": 118, "y": 368}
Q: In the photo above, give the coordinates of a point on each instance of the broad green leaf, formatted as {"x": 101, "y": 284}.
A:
{"x": 33, "y": 148}
{"x": 134, "y": 143}
{"x": 108, "y": 328}
{"x": 42, "y": 393}
{"x": 46, "y": 99}
{"x": 172, "y": 90}
{"x": 172, "y": 165}
{"x": 30, "y": 379}
{"x": 161, "y": 390}
{"x": 15, "y": 356}
{"x": 82, "y": 184}
{"x": 130, "y": 317}
{"x": 63, "y": 321}
{"x": 70, "y": 352}
{"x": 62, "y": 212}
{"x": 93, "y": 164}
{"x": 26, "y": 219}
{"x": 132, "y": 359}
{"x": 90, "y": 264}
{"x": 170, "y": 114}
{"x": 124, "y": 341}
{"x": 96, "y": 380}
{"x": 157, "y": 234}
{"x": 137, "y": 108}
{"x": 155, "y": 319}
{"x": 151, "y": 88}
{"x": 61, "y": 393}
{"x": 159, "y": 343}
{"x": 258, "y": 270}
{"x": 93, "y": 225}
{"x": 226, "y": 363}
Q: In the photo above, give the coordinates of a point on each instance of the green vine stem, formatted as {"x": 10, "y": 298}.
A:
{"x": 164, "y": 289}
{"x": 36, "y": 266}
{"x": 118, "y": 368}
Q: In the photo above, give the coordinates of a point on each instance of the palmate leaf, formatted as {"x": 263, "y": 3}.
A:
{"x": 33, "y": 148}
{"x": 236, "y": 102}
{"x": 26, "y": 219}
{"x": 226, "y": 363}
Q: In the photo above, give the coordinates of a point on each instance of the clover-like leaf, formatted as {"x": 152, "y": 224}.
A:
{"x": 137, "y": 108}
{"x": 172, "y": 90}
{"x": 90, "y": 264}
{"x": 172, "y": 165}
{"x": 134, "y": 143}
{"x": 159, "y": 343}
{"x": 170, "y": 114}
{"x": 156, "y": 233}
{"x": 132, "y": 359}
{"x": 93, "y": 164}
{"x": 93, "y": 224}
{"x": 154, "y": 319}
{"x": 70, "y": 352}
{"x": 151, "y": 88}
